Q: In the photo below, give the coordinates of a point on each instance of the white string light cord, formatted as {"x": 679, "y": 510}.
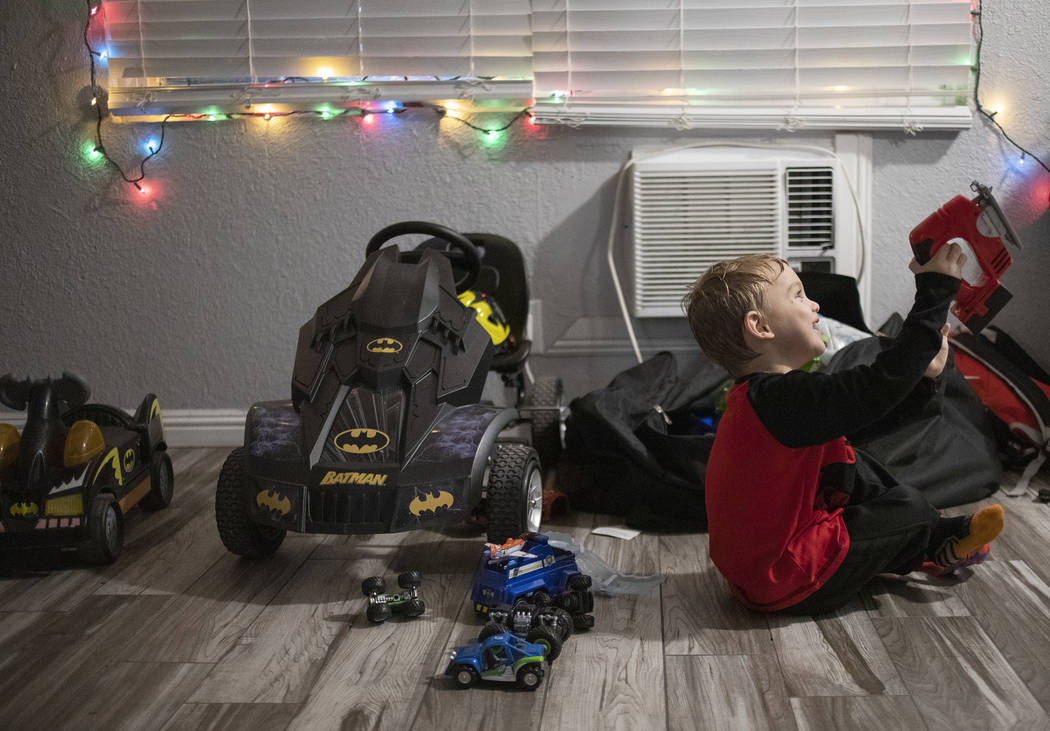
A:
{"x": 615, "y": 223}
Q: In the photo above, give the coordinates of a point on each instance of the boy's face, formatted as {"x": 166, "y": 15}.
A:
{"x": 792, "y": 317}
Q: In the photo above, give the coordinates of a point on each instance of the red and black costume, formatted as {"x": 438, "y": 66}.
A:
{"x": 798, "y": 519}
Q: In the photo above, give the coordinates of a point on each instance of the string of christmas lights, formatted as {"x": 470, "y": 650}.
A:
{"x": 154, "y": 146}
{"x": 100, "y": 149}
{"x": 451, "y": 114}
{"x": 990, "y": 115}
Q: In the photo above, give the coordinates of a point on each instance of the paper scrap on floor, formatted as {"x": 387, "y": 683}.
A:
{"x": 616, "y": 531}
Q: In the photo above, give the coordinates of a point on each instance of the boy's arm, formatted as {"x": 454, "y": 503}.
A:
{"x": 802, "y": 409}
{"x": 923, "y": 402}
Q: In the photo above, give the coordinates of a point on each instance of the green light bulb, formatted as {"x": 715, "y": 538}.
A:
{"x": 91, "y": 152}
{"x": 493, "y": 138}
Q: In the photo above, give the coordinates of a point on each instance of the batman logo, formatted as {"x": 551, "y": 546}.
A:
{"x": 428, "y": 502}
{"x": 273, "y": 501}
{"x": 384, "y": 345}
{"x": 361, "y": 441}
{"x": 112, "y": 459}
{"x": 129, "y": 460}
{"x": 24, "y": 509}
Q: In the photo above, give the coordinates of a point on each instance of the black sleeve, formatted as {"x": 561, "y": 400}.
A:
{"x": 801, "y": 409}
{"x": 923, "y": 402}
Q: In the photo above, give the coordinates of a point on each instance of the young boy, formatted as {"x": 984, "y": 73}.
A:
{"x": 798, "y": 521}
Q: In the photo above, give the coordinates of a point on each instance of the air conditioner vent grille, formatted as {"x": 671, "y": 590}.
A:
{"x": 810, "y": 219}
{"x": 687, "y": 220}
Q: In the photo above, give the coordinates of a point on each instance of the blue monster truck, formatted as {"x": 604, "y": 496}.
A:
{"x": 530, "y": 570}
{"x": 501, "y": 657}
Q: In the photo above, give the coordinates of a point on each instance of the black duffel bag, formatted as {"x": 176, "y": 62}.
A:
{"x": 639, "y": 447}
{"x": 946, "y": 447}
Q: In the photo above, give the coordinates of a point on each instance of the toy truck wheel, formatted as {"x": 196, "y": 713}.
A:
{"x": 547, "y": 426}
{"x": 580, "y": 581}
{"x": 530, "y": 676}
{"x": 582, "y": 622}
{"x": 415, "y": 608}
{"x": 465, "y": 676}
{"x": 373, "y": 585}
{"x": 545, "y": 636}
{"x": 540, "y": 598}
{"x": 409, "y": 579}
{"x": 577, "y": 601}
{"x": 556, "y": 618}
{"x": 162, "y": 482}
{"x": 514, "y": 496}
{"x": 377, "y": 613}
{"x": 239, "y": 533}
{"x": 105, "y": 531}
{"x": 490, "y": 629}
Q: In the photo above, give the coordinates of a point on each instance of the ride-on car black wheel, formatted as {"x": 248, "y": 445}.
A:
{"x": 530, "y": 676}
{"x": 162, "y": 482}
{"x": 239, "y": 533}
{"x": 514, "y": 497}
{"x": 415, "y": 608}
{"x": 105, "y": 530}
{"x": 543, "y": 404}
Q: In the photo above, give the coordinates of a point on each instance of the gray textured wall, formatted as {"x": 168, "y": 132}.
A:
{"x": 198, "y": 294}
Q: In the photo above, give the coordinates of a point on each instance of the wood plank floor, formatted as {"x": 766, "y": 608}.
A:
{"x": 179, "y": 634}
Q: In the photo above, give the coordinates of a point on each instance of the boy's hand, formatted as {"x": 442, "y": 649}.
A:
{"x": 948, "y": 260}
{"x": 936, "y": 366}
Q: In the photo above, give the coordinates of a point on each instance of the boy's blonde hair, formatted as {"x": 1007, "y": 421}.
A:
{"x": 719, "y": 300}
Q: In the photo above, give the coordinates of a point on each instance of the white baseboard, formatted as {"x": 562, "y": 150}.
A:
{"x": 204, "y": 427}
{"x": 183, "y": 427}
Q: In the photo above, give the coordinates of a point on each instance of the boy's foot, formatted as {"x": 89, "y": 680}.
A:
{"x": 984, "y": 525}
{"x": 978, "y": 556}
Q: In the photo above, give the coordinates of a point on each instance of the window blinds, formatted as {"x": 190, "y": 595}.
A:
{"x": 860, "y": 64}
{"x": 753, "y": 63}
{"x": 160, "y": 49}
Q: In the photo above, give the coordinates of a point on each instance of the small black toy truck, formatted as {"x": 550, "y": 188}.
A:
{"x": 405, "y": 603}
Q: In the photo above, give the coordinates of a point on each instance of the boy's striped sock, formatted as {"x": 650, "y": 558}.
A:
{"x": 978, "y": 556}
{"x": 981, "y": 529}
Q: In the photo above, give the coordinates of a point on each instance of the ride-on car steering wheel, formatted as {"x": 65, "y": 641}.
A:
{"x": 460, "y": 250}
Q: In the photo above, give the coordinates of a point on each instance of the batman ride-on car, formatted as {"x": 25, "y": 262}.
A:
{"x": 386, "y": 430}
{"x": 77, "y": 468}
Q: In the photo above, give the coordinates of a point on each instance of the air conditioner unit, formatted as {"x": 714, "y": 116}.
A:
{"x": 692, "y": 208}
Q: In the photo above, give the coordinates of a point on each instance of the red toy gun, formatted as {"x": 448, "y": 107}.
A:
{"x": 980, "y": 223}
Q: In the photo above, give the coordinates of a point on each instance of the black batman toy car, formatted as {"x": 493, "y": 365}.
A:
{"x": 386, "y": 430}
{"x": 75, "y": 471}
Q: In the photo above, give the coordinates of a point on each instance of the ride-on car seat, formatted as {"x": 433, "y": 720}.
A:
{"x": 502, "y": 279}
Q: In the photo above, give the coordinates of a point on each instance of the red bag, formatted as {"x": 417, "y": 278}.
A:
{"x": 1016, "y": 391}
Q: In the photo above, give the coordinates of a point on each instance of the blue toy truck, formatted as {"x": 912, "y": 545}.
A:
{"x": 530, "y": 570}
{"x": 501, "y": 657}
